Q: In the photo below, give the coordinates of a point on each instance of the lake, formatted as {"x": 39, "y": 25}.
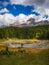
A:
{"x": 28, "y": 44}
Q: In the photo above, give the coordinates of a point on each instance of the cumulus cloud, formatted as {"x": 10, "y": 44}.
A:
{"x": 6, "y": 19}
{"x": 40, "y": 3}
{"x": 17, "y": 1}
{"x": 41, "y": 11}
{"x": 40, "y": 17}
{"x": 4, "y": 10}
{"x": 27, "y": 2}
{"x": 21, "y": 18}
{"x": 47, "y": 11}
{"x": 41, "y": 6}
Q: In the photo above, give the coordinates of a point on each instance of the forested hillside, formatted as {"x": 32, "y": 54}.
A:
{"x": 39, "y": 32}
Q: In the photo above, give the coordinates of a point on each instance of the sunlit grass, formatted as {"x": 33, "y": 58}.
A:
{"x": 15, "y": 40}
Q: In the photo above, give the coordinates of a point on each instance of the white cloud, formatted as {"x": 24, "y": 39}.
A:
{"x": 31, "y": 16}
{"x": 39, "y": 18}
{"x": 17, "y": 1}
{"x": 47, "y": 11}
{"x": 43, "y": 3}
{"x": 1, "y": 20}
{"x": 4, "y": 10}
{"x": 41, "y": 11}
{"x": 21, "y": 18}
{"x": 6, "y": 19}
{"x": 41, "y": 6}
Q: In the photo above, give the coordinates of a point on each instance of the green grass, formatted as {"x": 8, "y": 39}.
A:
{"x": 40, "y": 58}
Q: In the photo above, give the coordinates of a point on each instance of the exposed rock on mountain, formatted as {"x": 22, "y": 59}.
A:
{"x": 31, "y": 22}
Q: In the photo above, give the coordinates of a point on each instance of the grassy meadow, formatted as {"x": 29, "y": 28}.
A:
{"x": 24, "y": 56}
{"x": 16, "y": 56}
{"x": 30, "y": 57}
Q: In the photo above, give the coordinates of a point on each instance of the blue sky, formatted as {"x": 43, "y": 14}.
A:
{"x": 26, "y": 7}
{"x": 17, "y": 9}
{"x": 21, "y": 9}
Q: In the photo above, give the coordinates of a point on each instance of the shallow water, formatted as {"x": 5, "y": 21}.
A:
{"x": 34, "y": 44}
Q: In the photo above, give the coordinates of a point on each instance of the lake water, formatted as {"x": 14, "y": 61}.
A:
{"x": 34, "y": 44}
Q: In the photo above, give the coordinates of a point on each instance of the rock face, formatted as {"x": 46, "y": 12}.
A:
{"x": 31, "y": 21}
{"x": 45, "y": 22}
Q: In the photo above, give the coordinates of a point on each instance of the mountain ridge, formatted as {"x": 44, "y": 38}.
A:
{"x": 31, "y": 22}
{"x": 28, "y": 23}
